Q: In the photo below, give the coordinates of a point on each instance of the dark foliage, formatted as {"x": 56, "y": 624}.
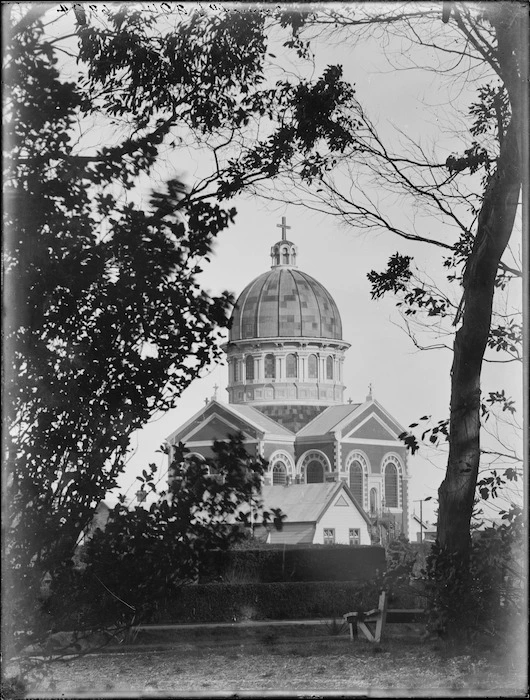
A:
{"x": 266, "y": 565}
{"x": 484, "y": 595}
{"x": 232, "y": 602}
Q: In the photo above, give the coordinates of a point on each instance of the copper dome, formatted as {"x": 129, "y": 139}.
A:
{"x": 285, "y": 302}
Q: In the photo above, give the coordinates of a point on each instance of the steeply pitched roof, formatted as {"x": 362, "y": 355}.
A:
{"x": 305, "y": 503}
{"x": 328, "y": 419}
{"x": 300, "y": 502}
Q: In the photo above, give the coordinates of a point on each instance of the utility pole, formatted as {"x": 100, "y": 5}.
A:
{"x": 420, "y": 501}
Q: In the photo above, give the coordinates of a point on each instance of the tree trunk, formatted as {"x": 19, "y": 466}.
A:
{"x": 494, "y": 227}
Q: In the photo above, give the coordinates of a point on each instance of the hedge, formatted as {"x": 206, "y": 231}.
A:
{"x": 294, "y": 564}
{"x": 221, "y": 602}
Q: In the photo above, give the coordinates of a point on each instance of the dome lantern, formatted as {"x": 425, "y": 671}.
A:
{"x": 285, "y": 349}
{"x": 283, "y": 253}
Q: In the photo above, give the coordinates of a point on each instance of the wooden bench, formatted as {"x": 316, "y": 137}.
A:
{"x": 379, "y": 617}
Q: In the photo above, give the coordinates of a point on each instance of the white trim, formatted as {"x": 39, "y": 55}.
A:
{"x": 392, "y": 457}
{"x": 347, "y": 419}
{"x": 186, "y": 424}
{"x": 374, "y": 441}
{"x": 361, "y": 457}
{"x": 246, "y": 419}
{"x": 319, "y": 456}
{"x": 209, "y": 443}
{"x": 364, "y": 457}
{"x": 205, "y": 423}
{"x": 281, "y": 455}
{"x": 379, "y": 420}
{"x": 200, "y": 457}
{"x": 283, "y": 439}
{"x": 230, "y": 408}
{"x": 387, "y": 414}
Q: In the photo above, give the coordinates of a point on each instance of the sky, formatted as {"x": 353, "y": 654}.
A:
{"x": 408, "y": 382}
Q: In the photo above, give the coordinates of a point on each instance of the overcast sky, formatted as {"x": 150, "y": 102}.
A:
{"x": 409, "y": 383}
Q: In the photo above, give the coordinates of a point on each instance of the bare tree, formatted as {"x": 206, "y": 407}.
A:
{"x": 488, "y": 43}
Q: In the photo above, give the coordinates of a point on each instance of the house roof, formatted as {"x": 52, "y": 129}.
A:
{"x": 328, "y": 419}
{"x": 305, "y": 502}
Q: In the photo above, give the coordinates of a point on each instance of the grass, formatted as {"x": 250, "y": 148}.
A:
{"x": 400, "y": 667}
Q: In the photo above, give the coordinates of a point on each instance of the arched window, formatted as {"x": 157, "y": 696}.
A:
{"x": 312, "y": 367}
{"x": 290, "y": 366}
{"x": 373, "y": 501}
{"x": 270, "y": 367}
{"x": 236, "y": 370}
{"x": 391, "y": 485}
{"x": 329, "y": 367}
{"x": 249, "y": 367}
{"x": 285, "y": 256}
{"x": 314, "y": 473}
{"x": 356, "y": 480}
{"x": 279, "y": 473}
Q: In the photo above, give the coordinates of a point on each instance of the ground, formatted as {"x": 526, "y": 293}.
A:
{"x": 401, "y": 666}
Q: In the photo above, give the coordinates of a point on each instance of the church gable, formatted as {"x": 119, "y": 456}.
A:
{"x": 217, "y": 429}
{"x": 371, "y": 424}
{"x": 372, "y": 429}
{"x": 214, "y": 422}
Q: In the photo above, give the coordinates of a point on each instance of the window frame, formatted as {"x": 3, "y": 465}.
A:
{"x": 354, "y": 533}
{"x": 265, "y": 366}
{"x": 293, "y": 374}
{"x": 360, "y": 472}
{"x": 327, "y": 537}
{"x": 250, "y": 362}
{"x": 279, "y": 464}
{"x": 387, "y": 476}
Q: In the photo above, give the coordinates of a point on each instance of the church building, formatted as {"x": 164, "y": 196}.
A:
{"x": 285, "y": 356}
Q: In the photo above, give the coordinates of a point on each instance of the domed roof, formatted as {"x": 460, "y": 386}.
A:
{"x": 285, "y": 302}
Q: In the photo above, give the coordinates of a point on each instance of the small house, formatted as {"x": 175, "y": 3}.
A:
{"x": 325, "y": 513}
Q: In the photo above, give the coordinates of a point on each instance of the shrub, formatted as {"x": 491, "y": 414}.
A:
{"x": 223, "y": 602}
{"x": 487, "y": 595}
{"x": 308, "y": 563}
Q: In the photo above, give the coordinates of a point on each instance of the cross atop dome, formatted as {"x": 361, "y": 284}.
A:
{"x": 283, "y": 227}
{"x": 283, "y": 253}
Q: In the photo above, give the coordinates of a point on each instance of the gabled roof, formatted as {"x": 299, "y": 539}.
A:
{"x": 253, "y": 418}
{"x": 327, "y": 420}
{"x": 305, "y": 502}
{"x": 267, "y": 424}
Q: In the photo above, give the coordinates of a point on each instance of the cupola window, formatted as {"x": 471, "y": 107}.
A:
{"x": 312, "y": 367}
{"x": 290, "y": 366}
{"x": 329, "y": 367}
{"x": 249, "y": 368}
{"x": 285, "y": 252}
{"x": 270, "y": 367}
